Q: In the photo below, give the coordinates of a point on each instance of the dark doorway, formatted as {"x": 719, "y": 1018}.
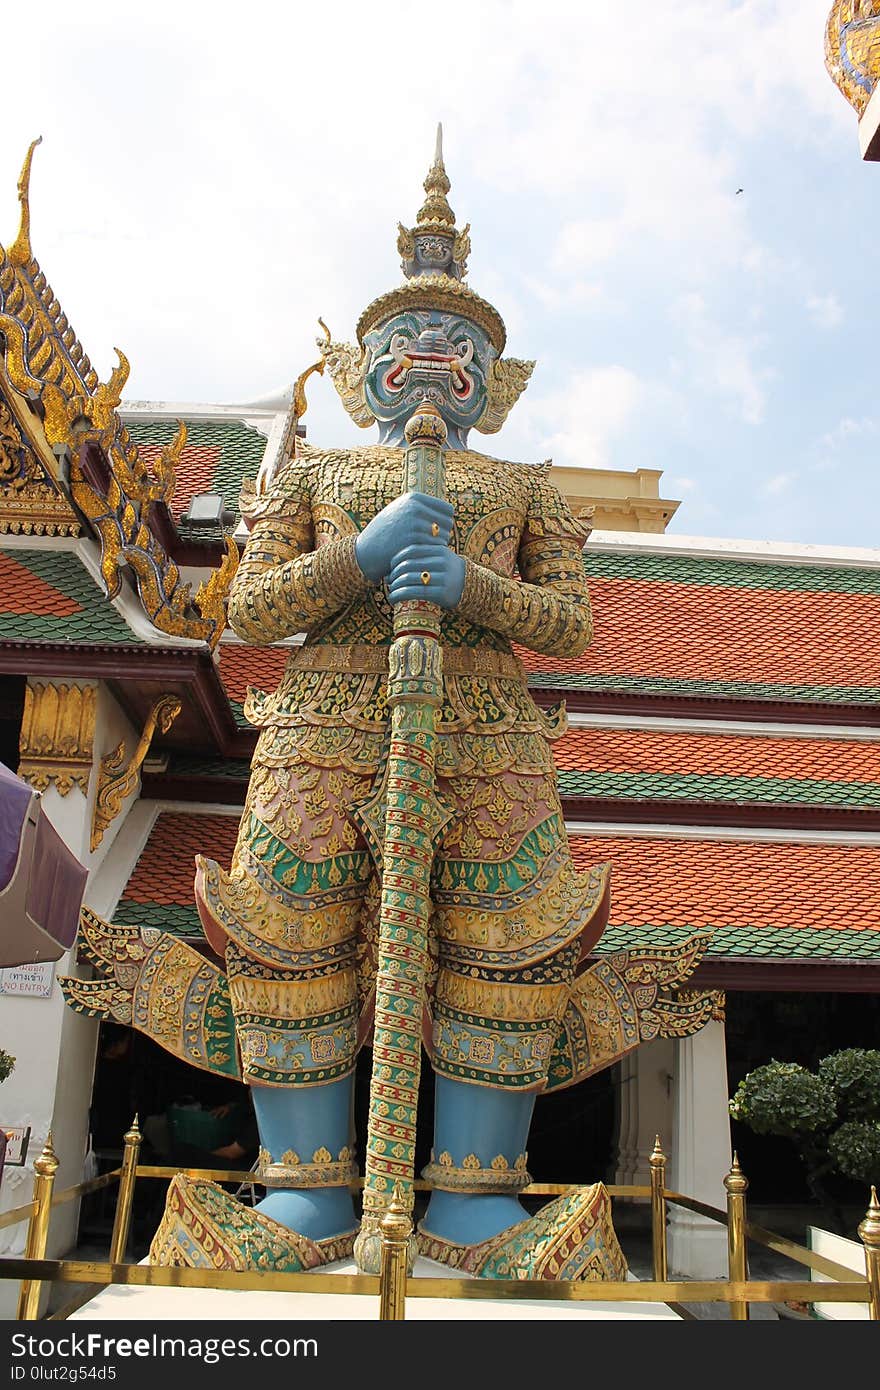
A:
{"x": 11, "y": 712}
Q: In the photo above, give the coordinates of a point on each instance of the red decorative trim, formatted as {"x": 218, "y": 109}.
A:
{"x": 755, "y": 815}
{"x": 828, "y": 976}
{"x": 708, "y": 707}
{"x": 126, "y": 667}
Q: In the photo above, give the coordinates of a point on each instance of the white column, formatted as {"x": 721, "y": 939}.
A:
{"x": 628, "y": 1119}
{"x": 645, "y": 1109}
{"x": 51, "y": 1085}
{"x": 699, "y": 1152}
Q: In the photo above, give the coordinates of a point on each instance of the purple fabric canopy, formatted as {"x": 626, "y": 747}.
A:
{"x": 41, "y": 881}
{"x": 15, "y": 799}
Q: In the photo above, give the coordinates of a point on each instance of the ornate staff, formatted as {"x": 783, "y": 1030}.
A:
{"x": 405, "y": 818}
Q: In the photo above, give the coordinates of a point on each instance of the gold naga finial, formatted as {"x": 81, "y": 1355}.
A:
{"x": 20, "y": 252}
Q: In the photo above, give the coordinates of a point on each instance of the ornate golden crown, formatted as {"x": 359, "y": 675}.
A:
{"x": 434, "y": 260}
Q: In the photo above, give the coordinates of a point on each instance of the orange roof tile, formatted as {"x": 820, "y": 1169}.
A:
{"x": 712, "y": 883}
{"x": 758, "y": 898}
{"x": 165, "y": 871}
{"x": 691, "y": 631}
{"x": 241, "y": 666}
{"x": 23, "y": 592}
{"x": 195, "y": 472}
{"x": 724, "y": 755}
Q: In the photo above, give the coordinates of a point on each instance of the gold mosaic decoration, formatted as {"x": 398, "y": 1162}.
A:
{"x": 44, "y": 363}
{"x": 629, "y": 998}
{"x": 57, "y": 735}
{"x": 852, "y": 49}
{"x": 31, "y": 503}
{"x": 322, "y": 1171}
{"x": 117, "y": 778}
{"x": 471, "y": 1176}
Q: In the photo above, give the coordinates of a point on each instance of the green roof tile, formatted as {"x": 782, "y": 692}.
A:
{"x": 173, "y": 918}
{"x": 735, "y": 574}
{"x": 85, "y": 614}
{"x": 218, "y": 454}
{"x": 741, "y": 941}
{"x": 674, "y": 685}
{"x": 802, "y": 791}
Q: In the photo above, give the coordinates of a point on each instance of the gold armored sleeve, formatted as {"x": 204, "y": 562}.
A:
{"x": 549, "y": 609}
{"x": 284, "y": 585}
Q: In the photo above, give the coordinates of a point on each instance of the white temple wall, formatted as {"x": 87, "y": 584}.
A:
{"x": 51, "y": 1086}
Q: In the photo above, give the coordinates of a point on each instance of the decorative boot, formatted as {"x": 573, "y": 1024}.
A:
{"x": 474, "y": 1220}
{"x": 307, "y": 1217}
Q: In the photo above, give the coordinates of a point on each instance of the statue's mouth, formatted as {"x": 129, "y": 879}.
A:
{"x": 449, "y": 365}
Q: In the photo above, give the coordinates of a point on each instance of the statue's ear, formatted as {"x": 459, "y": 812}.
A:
{"x": 347, "y": 366}
{"x": 508, "y": 378}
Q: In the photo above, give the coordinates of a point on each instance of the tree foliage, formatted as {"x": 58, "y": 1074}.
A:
{"x": 832, "y": 1114}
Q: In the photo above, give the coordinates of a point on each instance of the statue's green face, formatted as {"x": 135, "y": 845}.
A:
{"x": 426, "y": 355}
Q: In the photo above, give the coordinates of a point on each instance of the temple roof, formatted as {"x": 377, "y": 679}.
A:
{"x": 242, "y": 665}
{"x": 701, "y": 625}
{"x": 47, "y": 595}
{"x": 217, "y": 455}
{"x": 772, "y": 898}
{"x": 748, "y": 769}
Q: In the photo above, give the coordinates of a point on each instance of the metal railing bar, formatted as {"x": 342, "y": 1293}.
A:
{"x": 82, "y": 1189}
{"x": 16, "y": 1214}
{"x": 642, "y": 1291}
{"x": 800, "y": 1254}
{"x": 701, "y": 1208}
{"x": 534, "y": 1189}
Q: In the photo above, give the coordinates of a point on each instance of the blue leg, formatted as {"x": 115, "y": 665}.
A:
{"x": 305, "y": 1119}
{"x": 477, "y": 1120}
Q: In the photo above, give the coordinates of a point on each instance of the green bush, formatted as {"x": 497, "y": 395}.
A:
{"x": 854, "y": 1076}
{"x": 784, "y": 1098}
{"x": 832, "y": 1116}
{"x": 854, "y": 1149}
{"x": 7, "y": 1063}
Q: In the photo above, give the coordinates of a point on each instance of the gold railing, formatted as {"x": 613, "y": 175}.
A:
{"x": 392, "y": 1286}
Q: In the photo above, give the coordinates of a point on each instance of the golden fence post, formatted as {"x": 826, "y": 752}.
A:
{"x": 869, "y": 1230}
{"x": 122, "y": 1218}
{"x": 45, "y": 1169}
{"x": 658, "y": 1210}
{"x": 395, "y": 1229}
{"x": 736, "y": 1183}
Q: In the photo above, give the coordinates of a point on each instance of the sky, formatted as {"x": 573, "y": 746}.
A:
{"x": 213, "y": 179}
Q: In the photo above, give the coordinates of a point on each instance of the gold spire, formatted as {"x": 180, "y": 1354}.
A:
{"x": 20, "y": 251}
{"x": 435, "y": 213}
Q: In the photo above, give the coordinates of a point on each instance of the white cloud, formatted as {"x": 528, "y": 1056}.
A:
{"x": 724, "y": 362}
{"x": 845, "y": 431}
{"x": 577, "y": 424}
{"x": 825, "y": 310}
{"x": 779, "y": 484}
{"x": 843, "y": 444}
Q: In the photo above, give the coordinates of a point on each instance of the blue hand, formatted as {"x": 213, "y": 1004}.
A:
{"x": 444, "y": 570}
{"x": 407, "y": 520}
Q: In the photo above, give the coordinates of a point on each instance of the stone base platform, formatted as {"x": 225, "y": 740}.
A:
{"x": 121, "y": 1302}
